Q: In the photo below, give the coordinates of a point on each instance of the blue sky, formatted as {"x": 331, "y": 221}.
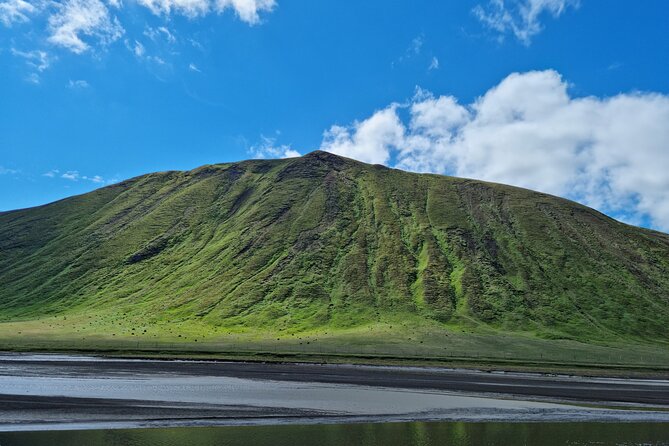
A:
{"x": 567, "y": 97}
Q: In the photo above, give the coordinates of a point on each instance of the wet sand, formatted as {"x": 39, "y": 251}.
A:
{"x": 66, "y": 392}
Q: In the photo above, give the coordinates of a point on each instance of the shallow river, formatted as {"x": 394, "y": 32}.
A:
{"x": 67, "y": 400}
{"x": 386, "y": 434}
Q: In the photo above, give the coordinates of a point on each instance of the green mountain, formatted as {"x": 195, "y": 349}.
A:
{"x": 324, "y": 243}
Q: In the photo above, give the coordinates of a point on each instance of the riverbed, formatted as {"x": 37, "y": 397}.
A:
{"x": 59, "y": 392}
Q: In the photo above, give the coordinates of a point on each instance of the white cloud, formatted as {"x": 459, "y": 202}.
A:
{"x": 614, "y": 66}
{"x": 82, "y": 25}
{"x": 40, "y": 60}
{"x": 193, "y": 67}
{"x": 138, "y": 49}
{"x": 95, "y": 179}
{"x": 74, "y": 175}
{"x": 414, "y": 49}
{"x": 416, "y": 46}
{"x": 370, "y": 140}
{"x": 52, "y": 173}
{"x": 520, "y": 17}
{"x": 77, "y": 84}
{"x": 33, "y": 78}
{"x": 196, "y": 44}
{"x": 168, "y": 35}
{"x": 77, "y": 18}
{"x": 161, "y": 31}
{"x": 290, "y": 153}
{"x": 71, "y": 175}
{"x": 268, "y": 149}
{"x": 15, "y": 11}
{"x": 188, "y": 8}
{"x": 247, "y": 10}
{"x": 157, "y": 60}
{"x": 609, "y": 153}
{"x": 434, "y": 64}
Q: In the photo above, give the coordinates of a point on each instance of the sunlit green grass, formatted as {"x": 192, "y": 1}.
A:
{"x": 406, "y": 339}
{"x": 325, "y": 253}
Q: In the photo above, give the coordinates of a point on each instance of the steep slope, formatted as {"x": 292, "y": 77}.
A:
{"x": 324, "y": 241}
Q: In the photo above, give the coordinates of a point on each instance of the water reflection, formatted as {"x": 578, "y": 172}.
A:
{"x": 386, "y": 434}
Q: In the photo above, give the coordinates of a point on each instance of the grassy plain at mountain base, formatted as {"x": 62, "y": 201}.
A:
{"x": 337, "y": 253}
{"x": 407, "y": 340}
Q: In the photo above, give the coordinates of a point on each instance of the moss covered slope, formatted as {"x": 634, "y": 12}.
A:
{"x": 324, "y": 241}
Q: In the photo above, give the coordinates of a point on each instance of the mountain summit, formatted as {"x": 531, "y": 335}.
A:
{"x": 325, "y": 241}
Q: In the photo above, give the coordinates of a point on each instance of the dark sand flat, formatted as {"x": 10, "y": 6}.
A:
{"x": 57, "y": 391}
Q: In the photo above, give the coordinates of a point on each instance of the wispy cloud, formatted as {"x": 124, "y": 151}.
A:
{"x": 77, "y": 84}
{"x": 37, "y": 59}
{"x": 193, "y": 67}
{"x": 15, "y": 11}
{"x": 267, "y": 148}
{"x": 138, "y": 49}
{"x": 7, "y": 171}
{"x": 157, "y": 60}
{"x": 416, "y": 46}
{"x": 522, "y": 18}
{"x": 160, "y": 32}
{"x": 434, "y": 64}
{"x": 96, "y": 179}
{"x": 414, "y": 49}
{"x": 84, "y": 26}
{"x": 247, "y": 10}
{"x": 71, "y": 175}
{"x": 74, "y": 175}
{"x": 76, "y": 19}
{"x": 614, "y": 66}
{"x": 33, "y": 78}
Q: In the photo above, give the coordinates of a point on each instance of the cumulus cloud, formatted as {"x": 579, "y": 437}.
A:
{"x": 609, "y": 153}
{"x": 269, "y": 149}
{"x": 75, "y": 19}
{"x": 370, "y": 140}
{"x": 522, "y": 18}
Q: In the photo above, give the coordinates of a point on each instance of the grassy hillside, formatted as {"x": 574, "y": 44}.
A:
{"x": 330, "y": 245}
